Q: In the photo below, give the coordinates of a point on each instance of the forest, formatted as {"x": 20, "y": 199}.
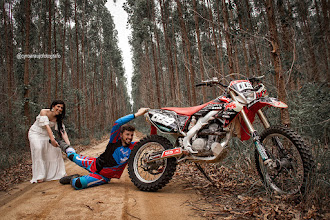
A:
{"x": 84, "y": 68}
{"x": 68, "y": 49}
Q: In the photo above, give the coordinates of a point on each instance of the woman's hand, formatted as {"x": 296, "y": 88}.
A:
{"x": 54, "y": 142}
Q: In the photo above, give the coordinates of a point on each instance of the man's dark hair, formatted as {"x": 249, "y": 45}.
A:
{"x": 126, "y": 127}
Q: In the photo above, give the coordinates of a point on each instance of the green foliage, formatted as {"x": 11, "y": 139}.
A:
{"x": 309, "y": 111}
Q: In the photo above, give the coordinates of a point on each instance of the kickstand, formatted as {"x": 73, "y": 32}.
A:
{"x": 203, "y": 172}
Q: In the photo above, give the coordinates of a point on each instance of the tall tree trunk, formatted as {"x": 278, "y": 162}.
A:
{"x": 26, "y": 68}
{"x": 288, "y": 52}
{"x": 218, "y": 58}
{"x": 280, "y": 81}
{"x": 323, "y": 45}
{"x": 49, "y": 72}
{"x": 63, "y": 47}
{"x": 162, "y": 81}
{"x": 186, "y": 73}
{"x": 222, "y": 73}
{"x": 253, "y": 47}
{"x": 149, "y": 82}
{"x": 201, "y": 61}
{"x": 168, "y": 49}
{"x": 154, "y": 55}
{"x": 83, "y": 69}
{"x": 186, "y": 44}
{"x": 234, "y": 42}
{"x": 8, "y": 67}
{"x": 310, "y": 47}
{"x": 93, "y": 101}
{"x": 227, "y": 37}
{"x": 77, "y": 76}
{"x": 102, "y": 109}
{"x": 240, "y": 14}
{"x": 85, "y": 90}
{"x": 325, "y": 11}
{"x": 55, "y": 53}
{"x": 176, "y": 75}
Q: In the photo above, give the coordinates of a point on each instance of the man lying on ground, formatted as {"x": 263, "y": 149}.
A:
{"x": 111, "y": 163}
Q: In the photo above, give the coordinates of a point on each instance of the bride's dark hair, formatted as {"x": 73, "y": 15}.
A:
{"x": 59, "y": 118}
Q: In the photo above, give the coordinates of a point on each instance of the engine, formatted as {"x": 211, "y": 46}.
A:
{"x": 204, "y": 139}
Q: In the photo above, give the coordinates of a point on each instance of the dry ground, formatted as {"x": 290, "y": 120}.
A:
{"x": 119, "y": 199}
{"x": 238, "y": 194}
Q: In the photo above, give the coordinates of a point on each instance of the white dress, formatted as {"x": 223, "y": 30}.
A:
{"x": 47, "y": 160}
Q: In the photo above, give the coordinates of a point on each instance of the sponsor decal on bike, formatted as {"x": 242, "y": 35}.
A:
{"x": 162, "y": 119}
{"x": 261, "y": 93}
{"x": 224, "y": 99}
{"x": 171, "y": 152}
{"x": 215, "y": 107}
{"x": 230, "y": 106}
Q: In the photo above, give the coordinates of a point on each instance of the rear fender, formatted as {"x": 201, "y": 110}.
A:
{"x": 165, "y": 121}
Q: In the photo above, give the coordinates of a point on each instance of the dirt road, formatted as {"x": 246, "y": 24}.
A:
{"x": 119, "y": 199}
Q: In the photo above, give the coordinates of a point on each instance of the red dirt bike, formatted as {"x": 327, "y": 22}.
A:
{"x": 203, "y": 132}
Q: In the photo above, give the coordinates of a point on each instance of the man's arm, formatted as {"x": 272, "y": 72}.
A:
{"x": 115, "y": 131}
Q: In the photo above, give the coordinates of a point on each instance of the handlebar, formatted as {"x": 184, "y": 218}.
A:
{"x": 215, "y": 81}
{"x": 256, "y": 79}
{"x": 211, "y": 82}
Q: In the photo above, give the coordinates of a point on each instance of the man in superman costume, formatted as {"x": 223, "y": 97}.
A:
{"x": 111, "y": 163}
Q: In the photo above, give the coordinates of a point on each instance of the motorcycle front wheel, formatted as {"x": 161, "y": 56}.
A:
{"x": 146, "y": 175}
{"x": 292, "y": 157}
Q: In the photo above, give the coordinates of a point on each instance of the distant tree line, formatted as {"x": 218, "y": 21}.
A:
{"x": 178, "y": 43}
{"x": 59, "y": 49}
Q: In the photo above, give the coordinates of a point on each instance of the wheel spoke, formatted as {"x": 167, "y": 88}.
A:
{"x": 144, "y": 171}
{"x": 282, "y": 147}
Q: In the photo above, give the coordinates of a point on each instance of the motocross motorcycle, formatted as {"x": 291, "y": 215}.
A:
{"x": 203, "y": 133}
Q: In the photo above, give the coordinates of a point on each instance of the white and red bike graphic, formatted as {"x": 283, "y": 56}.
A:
{"x": 203, "y": 132}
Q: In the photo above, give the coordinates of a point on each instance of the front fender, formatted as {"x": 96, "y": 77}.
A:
{"x": 260, "y": 103}
{"x": 252, "y": 109}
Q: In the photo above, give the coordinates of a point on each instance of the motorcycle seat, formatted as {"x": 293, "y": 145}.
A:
{"x": 186, "y": 110}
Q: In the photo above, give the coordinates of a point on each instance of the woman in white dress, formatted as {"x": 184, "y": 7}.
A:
{"x": 47, "y": 160}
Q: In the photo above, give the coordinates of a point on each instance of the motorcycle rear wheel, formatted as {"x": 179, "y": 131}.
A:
{"x": 155, "y": 175}
{"x": 294, "y": 161}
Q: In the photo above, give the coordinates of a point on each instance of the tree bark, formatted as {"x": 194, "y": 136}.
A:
{"x": 186, "y": 44}
{"x": 253, "y": 48}
{"x": 200, "y": 55}
{"x": 55, "y": 53}
{"x": 227, "y": 37}
{"x": 26, "y": 69}
{"x": 241, "y": 27}
{"x": 314, "y": 75}
{"x": 168, "y": 50}
{"x": 49, "y": 72}
{"x": 63, "y": 48}
{"x": 275, "y": 52}
{"x": 77, "y": 76}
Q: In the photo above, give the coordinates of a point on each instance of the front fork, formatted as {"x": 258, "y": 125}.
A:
{"x": 256, "y": 138}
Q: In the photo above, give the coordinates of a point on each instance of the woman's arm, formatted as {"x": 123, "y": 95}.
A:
{"x": 51, "y": 136}
{"x": 43, "y": 112}
{"x": 65, "y": 137}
